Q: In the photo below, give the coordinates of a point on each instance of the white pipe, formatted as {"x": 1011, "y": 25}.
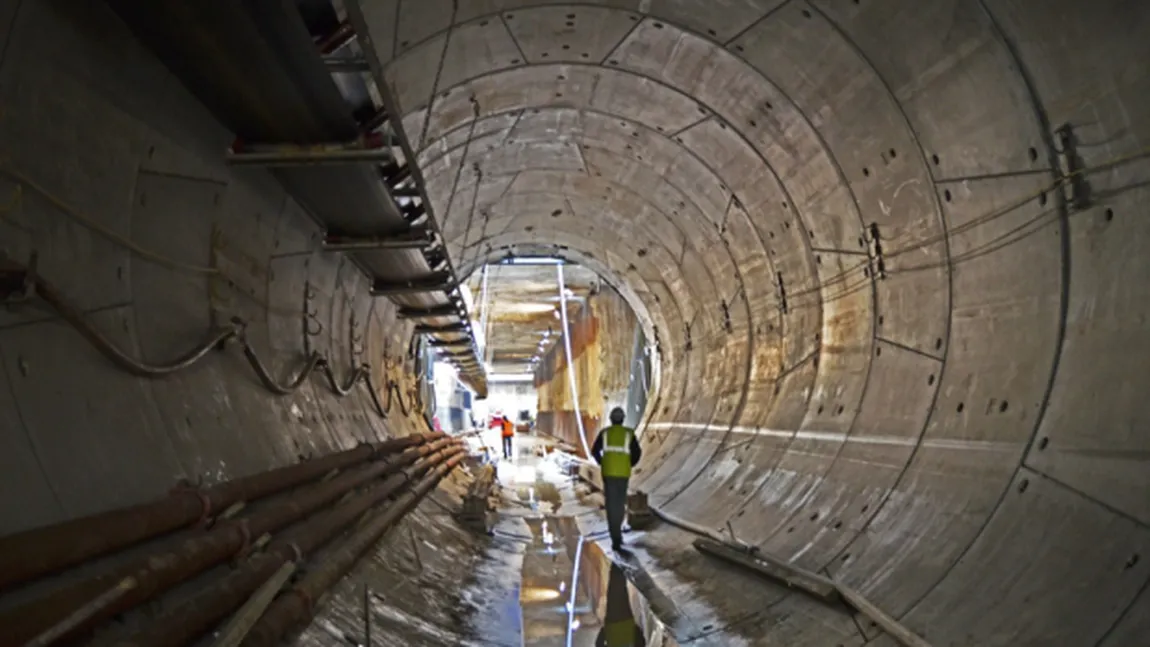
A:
{"x": 570, "y": 362}
{"x": 574, "y": 591}
{"x": 488, "y": 323}
{"x": 483, "y": 313}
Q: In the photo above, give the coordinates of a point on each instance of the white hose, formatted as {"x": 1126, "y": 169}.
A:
{"x": 570, "y": 362}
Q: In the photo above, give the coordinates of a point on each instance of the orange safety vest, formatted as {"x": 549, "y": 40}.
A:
{"x": 508, "y": 428}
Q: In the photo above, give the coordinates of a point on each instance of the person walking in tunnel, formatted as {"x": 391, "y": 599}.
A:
{"x": 619, "y": 626}
{"x": 617, "y": 450}
{"x": 508, "y": 434}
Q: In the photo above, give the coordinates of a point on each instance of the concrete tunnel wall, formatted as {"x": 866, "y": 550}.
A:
{"x": 97, "y": 123}
{"x": 962, "y": 439}
{"x": 91, "y": 117}
{"x": 960, "y": 434}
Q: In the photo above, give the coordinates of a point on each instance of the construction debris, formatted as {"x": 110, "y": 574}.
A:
{"x": 477, "y": 509}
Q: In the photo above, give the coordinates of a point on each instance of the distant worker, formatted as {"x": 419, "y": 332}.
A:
{"x": 619, "y": 626}
{"x": 617, "y": 450}
{"x": 508, "y": 434}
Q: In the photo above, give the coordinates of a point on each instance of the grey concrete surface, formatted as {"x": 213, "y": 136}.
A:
{"x": 962, "y": 436}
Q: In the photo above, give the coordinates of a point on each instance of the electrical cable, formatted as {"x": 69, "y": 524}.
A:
{"x": 100, "y": 229}
{"x": 981, "y": 220}
{"x": 217, "y": 340}
{"x": 15, "y": 201}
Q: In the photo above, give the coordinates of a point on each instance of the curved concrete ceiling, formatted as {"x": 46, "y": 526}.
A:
{"x": 882, "y": 320}
{"x": 520, "y": 310}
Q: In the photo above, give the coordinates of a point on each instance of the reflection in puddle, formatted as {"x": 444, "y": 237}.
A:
{"x": 574, "y": 595}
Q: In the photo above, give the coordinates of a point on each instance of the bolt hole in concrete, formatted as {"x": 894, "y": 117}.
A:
{"x": 960, "y": 407}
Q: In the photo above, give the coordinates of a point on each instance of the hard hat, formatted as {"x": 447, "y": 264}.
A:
{"x": 617, "y": 416}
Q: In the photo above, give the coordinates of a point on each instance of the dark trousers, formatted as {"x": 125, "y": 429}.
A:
{"x": 615, "y": 494}
{"x": 507, "y": 447}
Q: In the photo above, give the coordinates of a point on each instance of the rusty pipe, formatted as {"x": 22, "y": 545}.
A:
{"x": 186, "y": 622}
{"x": 40, "y": 551}
{"x": 296, "y": 606}
{"x": 158, "y": 572}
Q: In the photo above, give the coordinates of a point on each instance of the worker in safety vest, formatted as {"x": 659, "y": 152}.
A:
{"x": 619, "y": 626}
{"x": 617, "y": 450}
{"x": 508, "y": 434}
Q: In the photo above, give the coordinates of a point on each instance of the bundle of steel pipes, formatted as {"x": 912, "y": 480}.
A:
{"x": 323, "y": 513}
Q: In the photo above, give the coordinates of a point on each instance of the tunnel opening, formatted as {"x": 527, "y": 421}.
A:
{"x": 562, "y": 348}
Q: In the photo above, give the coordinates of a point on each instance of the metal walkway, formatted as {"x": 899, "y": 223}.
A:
{"x": 291, "y": 82}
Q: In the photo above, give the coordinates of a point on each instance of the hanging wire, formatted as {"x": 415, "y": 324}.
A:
{"x": 843, "y": 275}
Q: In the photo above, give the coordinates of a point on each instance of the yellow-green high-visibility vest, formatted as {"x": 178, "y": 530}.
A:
{"x": 620, "y": 633}
{"x": 617, "y": 452}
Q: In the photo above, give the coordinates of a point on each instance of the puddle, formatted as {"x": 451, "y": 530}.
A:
{"x": 573, "y": 594}
{"x": 570, "y": 590}
{"x": 542, "y": 494}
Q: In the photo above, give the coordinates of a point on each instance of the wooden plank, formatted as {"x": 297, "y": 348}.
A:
{"x": 792, "y": 576}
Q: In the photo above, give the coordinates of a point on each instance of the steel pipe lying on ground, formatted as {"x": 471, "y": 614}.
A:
{"x": 155, "y": 573}
{"x": 40, "y": 551}
{"x": 186, "y": 622}
{"x": 295, "y": 608}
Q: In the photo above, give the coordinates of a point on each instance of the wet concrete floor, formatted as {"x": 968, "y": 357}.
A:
{"x": 572, "y": 593}
{"x": 554, "y": 559}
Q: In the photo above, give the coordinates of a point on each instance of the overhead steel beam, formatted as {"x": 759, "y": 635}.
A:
{"x": 449, "y": 310}
{"x": 415, "y": 239}
{"x": 305, "y": 156}
{"x": 440, "y": 282}
{"x": 346, "y": 63}
{"x": 424, "y": 329}
{"x": 449, "y": 343}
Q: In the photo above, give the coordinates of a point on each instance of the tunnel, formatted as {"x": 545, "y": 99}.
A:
{"x": 883, "y": 252}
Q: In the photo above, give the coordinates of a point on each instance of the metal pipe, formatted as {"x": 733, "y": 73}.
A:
{"x": 233, "y": 633}
{"x": 158, "y": 572}
{"x": 305, "y": 156}
{"x": 33, "y": 553}
{"x": 294, "y": 608}
{"x": 186, "y": 622}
